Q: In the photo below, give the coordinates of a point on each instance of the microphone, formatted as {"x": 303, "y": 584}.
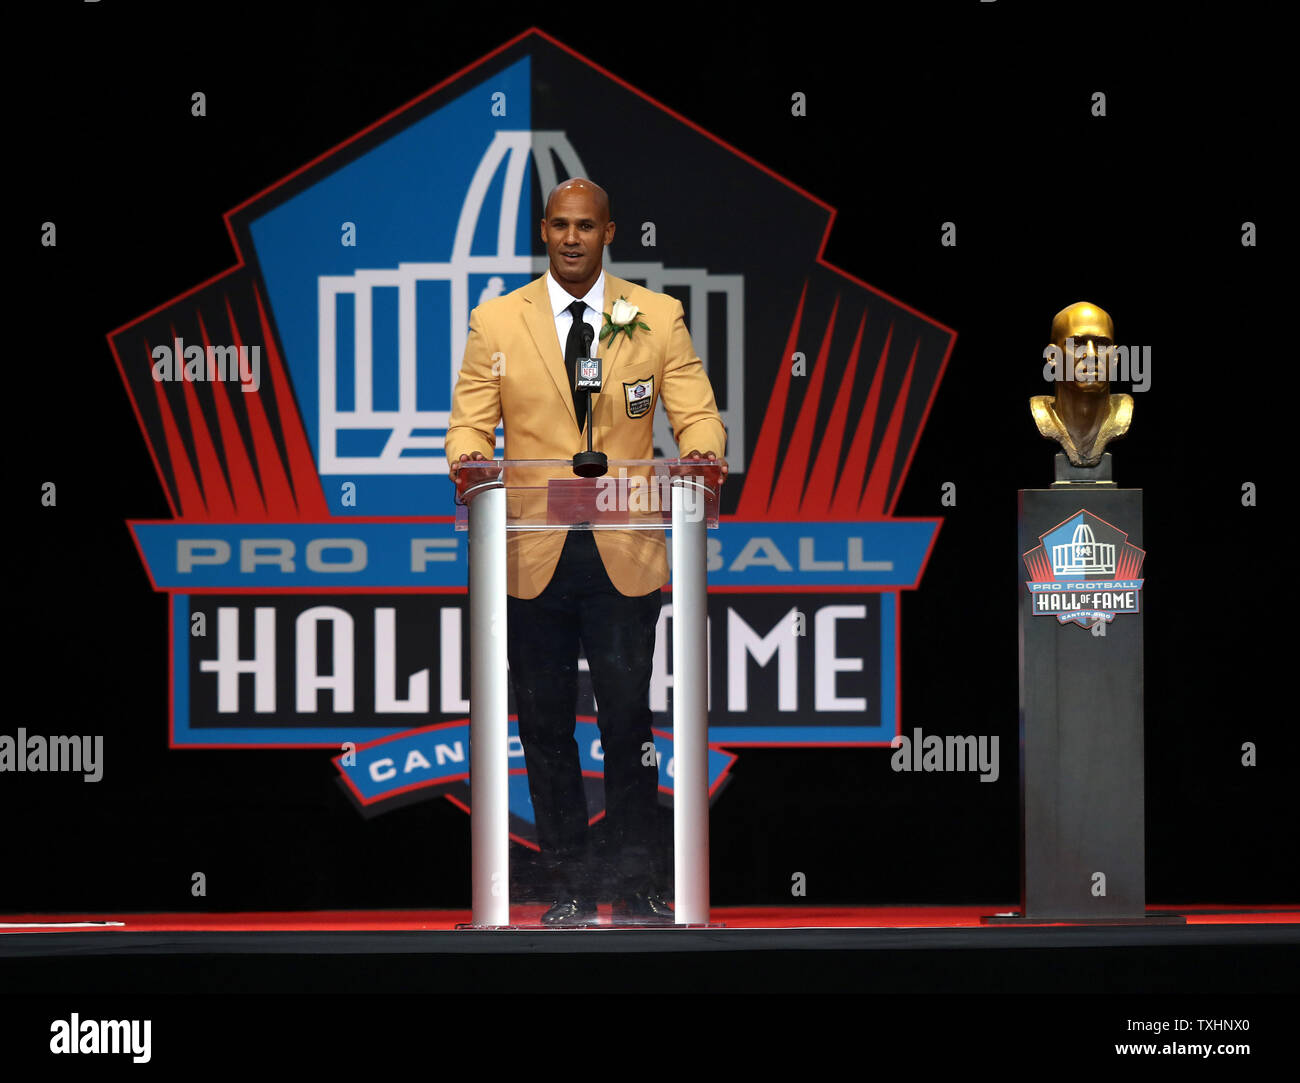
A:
{"x": 587, "y": 380}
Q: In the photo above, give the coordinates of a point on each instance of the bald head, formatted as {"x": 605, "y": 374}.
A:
{"x": 576, "y": 230}
{"x": 580, "y": 184}
{"x": 1081, "y": 320}
{"x": 1083, "y": 335}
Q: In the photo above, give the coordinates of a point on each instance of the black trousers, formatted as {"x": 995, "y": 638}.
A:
{"x": 617, "y": 633}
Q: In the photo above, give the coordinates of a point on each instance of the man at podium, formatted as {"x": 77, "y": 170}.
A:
{"x": 600, "y": 588}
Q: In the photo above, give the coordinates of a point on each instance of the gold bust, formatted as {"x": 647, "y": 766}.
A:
{"x": 1084, "y": 416}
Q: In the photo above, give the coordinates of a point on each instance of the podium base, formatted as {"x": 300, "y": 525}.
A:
{"x": 1020, "y": 919}
{"x": 591, "y": 464}
{"x": 595, "y": 927}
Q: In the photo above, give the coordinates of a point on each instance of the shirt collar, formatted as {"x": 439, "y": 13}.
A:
{"x": 562, "y": 298}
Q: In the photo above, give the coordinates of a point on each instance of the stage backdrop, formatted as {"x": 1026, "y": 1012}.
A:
{"x": 264, "y": 653}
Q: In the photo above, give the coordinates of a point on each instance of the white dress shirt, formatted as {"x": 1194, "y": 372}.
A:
{"x": 561, "y": 299}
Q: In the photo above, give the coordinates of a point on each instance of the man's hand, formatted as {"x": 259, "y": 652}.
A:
{"x": 713, "y": 459}
{"x": 473, "y": 477}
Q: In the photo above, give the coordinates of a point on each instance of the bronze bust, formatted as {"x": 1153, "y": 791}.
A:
{"x": 1083, "y": 416}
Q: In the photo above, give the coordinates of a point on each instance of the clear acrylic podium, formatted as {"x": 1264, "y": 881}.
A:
{"x": 504, "y": 497}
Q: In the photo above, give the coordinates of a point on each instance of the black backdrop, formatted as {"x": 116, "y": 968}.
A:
{"x": 974, "y": 113}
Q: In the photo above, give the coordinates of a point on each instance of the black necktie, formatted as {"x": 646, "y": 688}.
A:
{"x": 573, "y": 349}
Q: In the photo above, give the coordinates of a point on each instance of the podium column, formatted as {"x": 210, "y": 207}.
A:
{"x": 1081, "y": 734}
{"x": 690, "y": 705}
{"x": 488, "y": 719}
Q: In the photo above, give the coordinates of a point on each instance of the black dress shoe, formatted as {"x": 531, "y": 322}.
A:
{"x": 643, "y": 908}
{"x": 571, "y": 912}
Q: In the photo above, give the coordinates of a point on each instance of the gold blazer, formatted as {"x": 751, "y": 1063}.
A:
{"x": 514, "y": 371}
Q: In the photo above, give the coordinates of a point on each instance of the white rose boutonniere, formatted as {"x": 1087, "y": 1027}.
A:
{"x": 622, "y": 318}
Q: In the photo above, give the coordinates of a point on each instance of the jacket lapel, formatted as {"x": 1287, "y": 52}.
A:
{"x": 613, "y": 352}
{"x": 540, "y": 321}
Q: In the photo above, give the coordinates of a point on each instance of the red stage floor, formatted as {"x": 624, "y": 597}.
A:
{"x": 743, "y": 917}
